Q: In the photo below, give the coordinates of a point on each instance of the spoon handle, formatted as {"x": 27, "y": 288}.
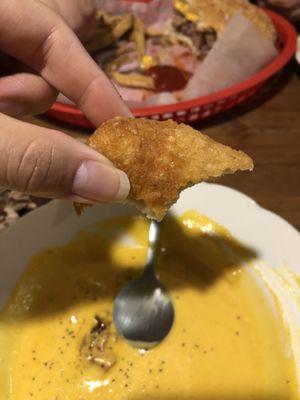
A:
{"x": 154, "y": 231}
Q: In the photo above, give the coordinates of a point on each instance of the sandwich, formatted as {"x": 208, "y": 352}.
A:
{"x": 162, "y": 158}
{"x": 197, "y": 23}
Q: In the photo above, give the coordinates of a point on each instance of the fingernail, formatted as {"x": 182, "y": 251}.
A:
{"x": 100, "y": 182}
{"x": 10, "y": 108}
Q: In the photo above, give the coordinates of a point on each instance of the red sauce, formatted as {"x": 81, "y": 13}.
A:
{"x": 168, "y": 78}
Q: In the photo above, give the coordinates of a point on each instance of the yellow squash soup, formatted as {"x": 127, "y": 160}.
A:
{"x": 59, "y": 342}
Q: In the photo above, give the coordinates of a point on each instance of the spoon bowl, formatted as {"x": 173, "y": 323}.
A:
{"x": 143, "y": 310}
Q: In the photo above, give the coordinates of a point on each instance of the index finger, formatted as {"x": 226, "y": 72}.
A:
{"x": 37, "y": 36}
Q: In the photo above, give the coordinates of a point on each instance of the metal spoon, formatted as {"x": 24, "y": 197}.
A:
{"x": 143, "y": 310}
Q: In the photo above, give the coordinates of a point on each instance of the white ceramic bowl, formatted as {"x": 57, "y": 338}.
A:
{"x": 275, "y": 241}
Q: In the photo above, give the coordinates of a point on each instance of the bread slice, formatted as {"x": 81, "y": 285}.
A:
{"x": 163, "y": 158}
{"x": 215, "y": 14}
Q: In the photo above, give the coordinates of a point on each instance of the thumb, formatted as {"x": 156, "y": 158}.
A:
{"x": 49, "y": 163}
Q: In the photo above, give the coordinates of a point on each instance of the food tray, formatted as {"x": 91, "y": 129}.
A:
{"x": 207, "y": 106}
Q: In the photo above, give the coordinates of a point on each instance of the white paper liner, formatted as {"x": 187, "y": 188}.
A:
{"x": 240, "y": 51}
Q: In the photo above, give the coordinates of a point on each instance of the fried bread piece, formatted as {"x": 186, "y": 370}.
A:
{"x": 163, "y": 158}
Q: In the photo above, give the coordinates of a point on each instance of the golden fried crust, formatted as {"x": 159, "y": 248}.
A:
{"x": 216, "y": 14}
{"x": 163, "y": 158}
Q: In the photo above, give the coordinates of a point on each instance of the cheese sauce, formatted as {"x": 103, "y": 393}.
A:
{"x": 58, "y": 341}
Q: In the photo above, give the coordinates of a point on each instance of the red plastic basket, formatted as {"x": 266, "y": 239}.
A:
{"x": 204, "y": 107}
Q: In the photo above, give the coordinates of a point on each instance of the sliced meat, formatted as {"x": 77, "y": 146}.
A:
{"x": 202, "y": 40}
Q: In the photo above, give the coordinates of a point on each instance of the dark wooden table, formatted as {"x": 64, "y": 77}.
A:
{"x": 270, "y": 134}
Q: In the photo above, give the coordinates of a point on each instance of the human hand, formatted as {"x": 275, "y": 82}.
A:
{"x": 41, "y": 161}
{"x": 79, "y": 14}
